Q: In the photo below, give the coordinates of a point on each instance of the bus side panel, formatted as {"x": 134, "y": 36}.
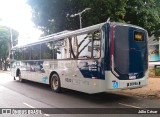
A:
{"x": 72, "y": 77}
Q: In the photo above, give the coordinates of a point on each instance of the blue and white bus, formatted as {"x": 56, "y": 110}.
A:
{"x": 100, "y": 58}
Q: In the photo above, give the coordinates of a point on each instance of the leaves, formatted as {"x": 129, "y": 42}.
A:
{"x": 143, "y": 13}
{"x": 54, "y": 15}
{"x": 5, "y": 42}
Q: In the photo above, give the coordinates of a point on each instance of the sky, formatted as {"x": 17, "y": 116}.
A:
{"x": 17, "y": 14}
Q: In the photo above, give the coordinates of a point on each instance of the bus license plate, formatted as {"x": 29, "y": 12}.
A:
{"x": 133, "y": 84}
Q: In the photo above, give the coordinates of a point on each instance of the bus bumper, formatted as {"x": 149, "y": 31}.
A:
{"x": 114, "y": 84}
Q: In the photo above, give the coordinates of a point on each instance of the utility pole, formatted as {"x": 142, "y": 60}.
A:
{"x": 11, "y": 36}
{"x": 80, "y": 15}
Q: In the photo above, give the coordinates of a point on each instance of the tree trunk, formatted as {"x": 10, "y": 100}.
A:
{"x": 5, "y": 66}
{"x": 0, "y": 65}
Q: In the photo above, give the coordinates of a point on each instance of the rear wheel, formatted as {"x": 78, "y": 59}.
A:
{"x": 55, "y": 83}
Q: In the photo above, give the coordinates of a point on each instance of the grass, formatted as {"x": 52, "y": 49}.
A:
{"x": 157, "y": 71}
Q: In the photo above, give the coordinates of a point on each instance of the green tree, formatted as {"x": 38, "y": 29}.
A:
{"x": 157, "y": 27}
{"x": 4, "y": 51}
{"x": 144, "y": 13}
{"x": 54, "y": 15}
{"x": 5, "y": 44}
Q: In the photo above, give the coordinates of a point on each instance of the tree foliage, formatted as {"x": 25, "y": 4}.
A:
{"x": 5, "y": 44}
{"x": 144, "y": 13}
{"x": 54, "y": 15}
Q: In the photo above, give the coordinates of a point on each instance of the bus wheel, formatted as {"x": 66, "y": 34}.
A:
{"x": 55, "y": 83}
{"x": 20, "y": 79}
{"x": 18, "y": 74}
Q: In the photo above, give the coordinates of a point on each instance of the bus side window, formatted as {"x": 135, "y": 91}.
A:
{"x": 20, "y": 54}
{"x": 59, "y": 49}
{"x": 47, "y": 50}
{"x": 17, "y": 54}
{"x": 35, "y": 52}
{"x": 96, "y": 44}
{"x": 80, "y": 46}
{"x": 27, "y": 53}
{"x": 88, "y": 45}
{"x": 72, "y": 47}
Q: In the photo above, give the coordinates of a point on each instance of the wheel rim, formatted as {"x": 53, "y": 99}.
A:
{"x": 55, "y": 83}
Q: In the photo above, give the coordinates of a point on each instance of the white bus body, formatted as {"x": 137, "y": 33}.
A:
{"x": 101, "y": 58}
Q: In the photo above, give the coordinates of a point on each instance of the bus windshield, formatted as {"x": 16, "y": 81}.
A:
{"x": 130, "y": 51}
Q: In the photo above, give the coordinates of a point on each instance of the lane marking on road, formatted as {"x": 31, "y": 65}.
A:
{"x": 129, "y": 105}
{"x": 28, "y": 105}
{"x": 35, "y": 108}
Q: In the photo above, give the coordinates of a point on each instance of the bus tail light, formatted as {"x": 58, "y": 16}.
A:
{"x": 113, "y": 80}
{"x": 94, "y": 77}
{"x": 112, "y": 51}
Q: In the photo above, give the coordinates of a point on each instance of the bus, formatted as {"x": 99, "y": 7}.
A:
{"x": 109, "y": 56}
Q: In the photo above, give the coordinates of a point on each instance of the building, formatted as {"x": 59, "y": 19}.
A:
{"x": 153, "y": 49}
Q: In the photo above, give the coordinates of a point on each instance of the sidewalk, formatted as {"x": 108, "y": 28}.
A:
{"x": 151, "y": 91}
{"x": 2, "y": 71}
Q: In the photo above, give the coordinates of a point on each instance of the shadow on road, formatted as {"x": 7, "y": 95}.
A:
{"x": 96, "y": 98}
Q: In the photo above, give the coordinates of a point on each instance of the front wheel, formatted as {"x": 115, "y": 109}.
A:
{"x": 20, "y": 79}
{"x": 55, "y": 83}
{"x": 18, "y": 74}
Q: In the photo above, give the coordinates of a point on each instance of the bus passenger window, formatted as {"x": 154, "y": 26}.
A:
{"x": 15, "y": 54}
{"x": 27, "y": 53}
{"x": 18, "y": 54}
{"x": 35, "y": 52}
{"x": 96, "y": 44}
{"x": 47, "y": 50}
{"x": 59, "y": 49}
{"x": 84, "y": 46}
{"x": 88, "y": 45}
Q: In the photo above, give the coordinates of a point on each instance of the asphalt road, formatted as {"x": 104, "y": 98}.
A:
{"x": 14, "y": 94}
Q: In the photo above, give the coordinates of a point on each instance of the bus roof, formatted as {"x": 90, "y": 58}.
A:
{"x": 64, "y": 34}
{"x": 58, "y": 36}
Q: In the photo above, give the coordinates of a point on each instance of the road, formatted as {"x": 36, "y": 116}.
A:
{"x": 15, "y": 94}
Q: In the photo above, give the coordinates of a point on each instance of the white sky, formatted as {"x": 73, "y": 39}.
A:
{"x": 17, "y": 14}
